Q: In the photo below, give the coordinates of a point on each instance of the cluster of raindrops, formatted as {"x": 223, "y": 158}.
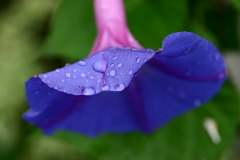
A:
{"x": 123, "y": 66}
{"x": 108, "y": 70}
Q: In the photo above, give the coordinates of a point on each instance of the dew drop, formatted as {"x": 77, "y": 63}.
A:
{"x": 216, "y": 57}
{"x": 113, "y": 72}
{"x": 144, "y": 50}
{"x": 74, "y": 77}
{"x": 83, "y": 75}
{"x": 112, "y": 65}
{"x": 36, "y": 92}
{"x": 45, "y": 76}
{"x": 115, "y": 57}
{"x": 133, "y": 48}
{"x": 120, "y": 65}
{"x": 181, "y": 95}
{"x": 187, "y": 51}
{"x": 119, "y": 87}
{"x": 67, "y": 64}
{"x": 57, "y": 70}
{"x": 88, "y": 91}
{"x": 82, "y": 63}
{"x": 150, "y": 50}
{"x": 123, "y": 48}
{"x": 91, "y": 77}
{"x": 45, "y": 106}
{"x": 100, "y": 66}
{"x": 68, "y": 75}
{"x": 63, "y": 80}
{"x": 170, "y": 88}
{"x": 138, "y": 60}
{"x": 197, "y": 102}
{"x": 105, "y": 88}
{"x": 130, "y": 72}
{"x": 75, "y": 70}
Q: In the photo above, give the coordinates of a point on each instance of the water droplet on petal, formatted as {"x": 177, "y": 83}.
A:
{"x": 105, "y": 88}
{"x": 120, "y": 65}
{"x": 45, "y": 76}
{"x": 123, "y": 48}
{"x": 91, "y": 77}
{"x": 63, "y": 80}
{"x": 75, "y": 70}
{"x": 45, "y": 106}
{"x": 187, "y": 51}
{"x": 216, "y": 57}
{"x": 68, "y": 75}
{"x": 197, "y": 102}
{"x": 133, "y": 48}
{"x": 144, "y": 50}
{"x": 57, "y": 70}
{"x": 170, "y": 88}
{"x": 113, "y": 72}
{"x": 135, "y": 74}
{"x": 74, "y": 77}
{"x": 119, "y": 87}
{"x": 67, "y": 64}
{"x": 115, "y": 57}
{"x": 138, "y": 60}
{"x": 150, "y": 50}
{"x": 181, "y": 95}
{"x": 88, "y": 91}
{"x": 83, "y": 75}
{"x": 130, "y": 72}
{"x": 82, "y": 63}
{"x": 36, "y": 92}
{"x": 100, "y": 66}
{"x": 112, "y": 65}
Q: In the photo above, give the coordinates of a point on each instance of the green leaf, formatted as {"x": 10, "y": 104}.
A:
{"x": 236, "y": 4}
{"x": 150, "y": 21}
{"x": 184, "y": 138}
{"x": 73, "y": 29}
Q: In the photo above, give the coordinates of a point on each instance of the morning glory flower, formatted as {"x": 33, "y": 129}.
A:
{"x": 120, "y": 89}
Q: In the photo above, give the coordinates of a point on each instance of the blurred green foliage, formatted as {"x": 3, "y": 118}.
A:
{"x": 34, "y": 39}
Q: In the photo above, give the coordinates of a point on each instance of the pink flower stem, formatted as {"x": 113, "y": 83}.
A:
{"x": 111, "y": 26}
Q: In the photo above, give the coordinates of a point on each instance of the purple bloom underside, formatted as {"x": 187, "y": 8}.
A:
{"x": 124, "y": 89}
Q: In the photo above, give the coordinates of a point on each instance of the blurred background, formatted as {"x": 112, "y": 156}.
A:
{"x": 39, "y": 36}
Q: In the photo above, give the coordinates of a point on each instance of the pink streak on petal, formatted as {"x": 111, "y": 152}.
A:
{"x": 112, "y": 27}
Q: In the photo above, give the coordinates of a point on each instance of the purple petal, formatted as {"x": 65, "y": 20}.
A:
{"x": 161, "y": 91}
{"x": 108, "y": 70}
{"x": 186, "y": 72}
{"x": 91, "y": 115}
{"x": 186, "y": 55}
